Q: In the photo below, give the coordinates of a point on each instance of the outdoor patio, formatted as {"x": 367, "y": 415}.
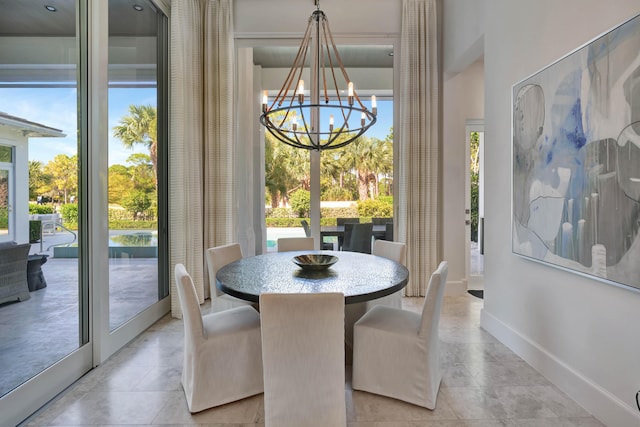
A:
{"x": 37, "y": 332}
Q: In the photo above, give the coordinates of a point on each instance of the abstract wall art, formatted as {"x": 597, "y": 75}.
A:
{"x": 576, "y": 160}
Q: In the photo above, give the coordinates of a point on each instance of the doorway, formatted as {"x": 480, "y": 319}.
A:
{"x": 474, "y": 204}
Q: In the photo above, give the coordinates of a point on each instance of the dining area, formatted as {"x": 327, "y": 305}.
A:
{"x": 290, "y": 324}
{"x": 143, "y": 383}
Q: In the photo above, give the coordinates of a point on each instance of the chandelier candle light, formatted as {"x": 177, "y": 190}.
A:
{"x": 297, "y": 123}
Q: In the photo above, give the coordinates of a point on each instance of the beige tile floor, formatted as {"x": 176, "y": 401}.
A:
{"x": 484, "y": 385}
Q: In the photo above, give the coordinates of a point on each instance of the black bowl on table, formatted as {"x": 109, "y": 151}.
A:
{"x": 315, "y": 262}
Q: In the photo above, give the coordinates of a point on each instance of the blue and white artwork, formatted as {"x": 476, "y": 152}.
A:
{"x": 576, "y": 160}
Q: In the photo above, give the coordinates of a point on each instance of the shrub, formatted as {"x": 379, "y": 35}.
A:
{"x": 375, "y": 208}
{"x": 280, "y": 213}
{"x": 137, "y": 203}
{"x": 35, "y": 231}
{"x": 119, "y": 214}
{"x": 337, "y": 193}
{"x": 300, "y": 201}
{"x": 35, "y": 209}
{"x": 349, "y": 212}
{"x": 69, "y": 213}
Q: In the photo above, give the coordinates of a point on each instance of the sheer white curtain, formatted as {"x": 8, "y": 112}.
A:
{"x": 201, "y": 147}
{"x": 419, "y": 186}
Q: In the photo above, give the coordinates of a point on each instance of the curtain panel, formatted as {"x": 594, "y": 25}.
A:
{"x": 201, "y": 150}
{"x": 419, "y": 189}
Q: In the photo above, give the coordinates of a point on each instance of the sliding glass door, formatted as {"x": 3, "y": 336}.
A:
{"x": 137, "y": 53}
{"x": 43, "y": 329}
{"x": 69, "y": 72}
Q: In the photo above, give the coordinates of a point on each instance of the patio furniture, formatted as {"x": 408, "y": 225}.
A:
{"x": 287, "y": 244}
{"x": 357, "y": 237}
{"x": 388, "y": 232}
{"x": 303, "y": 359}
{"x": 408, "y": 341}
{"x": 217, "y": 258}
{"x": 340, "y": 222}
{"x": 222, "y": 351}
{"x": 307, "y": 232}
{"x": 35, "y": 276}
{"x": 13, "y": 272}
{"x": 381, "y": 221}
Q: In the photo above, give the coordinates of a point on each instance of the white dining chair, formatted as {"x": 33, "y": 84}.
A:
{"x": 394, "y": 251}
{"x": 303, "y": 359}
{"x": 396, "y": 353}
{"x": 218, "y": 257}
{"x": 287, "y": 244}
{"x": 222, "y": 351}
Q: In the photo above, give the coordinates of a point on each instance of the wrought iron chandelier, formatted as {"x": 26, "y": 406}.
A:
{"x": 312, "y": 125}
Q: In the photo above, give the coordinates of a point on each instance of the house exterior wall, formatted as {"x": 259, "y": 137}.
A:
{"x": 12, "y": 137}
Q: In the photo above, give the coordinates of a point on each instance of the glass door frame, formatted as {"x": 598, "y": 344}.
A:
{"x": 250, "y": 139}
{"x": 106, "y": 341}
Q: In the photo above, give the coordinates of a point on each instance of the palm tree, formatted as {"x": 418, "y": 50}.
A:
{"x": 139, "y": 127}
{"x": 368, "y": 157}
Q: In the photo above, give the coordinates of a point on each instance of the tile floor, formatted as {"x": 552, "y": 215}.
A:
{"x": 484, "y": 385}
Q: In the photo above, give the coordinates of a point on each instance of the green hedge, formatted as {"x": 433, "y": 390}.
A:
{"x": 35, "y": 209}
{"x": 35, "y": 231}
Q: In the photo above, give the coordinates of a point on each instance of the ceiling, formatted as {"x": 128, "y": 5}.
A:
{"x": 352, "y": 56}
{"x": 35, "y": 20}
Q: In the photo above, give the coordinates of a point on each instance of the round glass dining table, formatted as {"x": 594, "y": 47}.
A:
{"x": 360, "y": 277}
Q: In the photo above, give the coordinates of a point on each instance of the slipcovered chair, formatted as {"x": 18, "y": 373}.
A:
{"x": 394, "y": 251}
{"x": 287, "y": 244}
{"x": 218, "y": 257}
{"x": 408, "y": 342}
{"x": 303, "y": 359}
{"x": 222, "y": 351}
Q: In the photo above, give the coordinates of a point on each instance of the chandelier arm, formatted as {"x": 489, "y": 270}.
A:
{"x": 304, "y": 121}
{"x": 324, "y": 73}
{"x": 333, "y": 72}
{"x": 285, "y": 140}
{"x": 335, "y": 50}
{"x": 297, "y": 63}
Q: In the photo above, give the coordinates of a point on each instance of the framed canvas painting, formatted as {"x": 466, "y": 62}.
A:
{"x": 576, "y": 160}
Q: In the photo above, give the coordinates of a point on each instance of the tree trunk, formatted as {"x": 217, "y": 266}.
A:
{"x": 363, "y": 188}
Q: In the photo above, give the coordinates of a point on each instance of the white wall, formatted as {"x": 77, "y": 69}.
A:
{"x": 463, "y": 99}
{"x": 580, "y": 333}
{"x": 463, "y": 31}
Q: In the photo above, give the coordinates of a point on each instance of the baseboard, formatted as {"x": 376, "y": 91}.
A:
{"x": 455, "y": 288}
{"x": 599, "y": 402}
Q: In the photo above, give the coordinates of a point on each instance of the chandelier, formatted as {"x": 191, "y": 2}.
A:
{"x": 328, "y": 118}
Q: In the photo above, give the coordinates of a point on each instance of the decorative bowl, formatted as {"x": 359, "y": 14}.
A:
{"x": 315, "y": 262}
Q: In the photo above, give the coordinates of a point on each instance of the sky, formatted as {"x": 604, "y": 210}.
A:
{"x": 57, "y": 107}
